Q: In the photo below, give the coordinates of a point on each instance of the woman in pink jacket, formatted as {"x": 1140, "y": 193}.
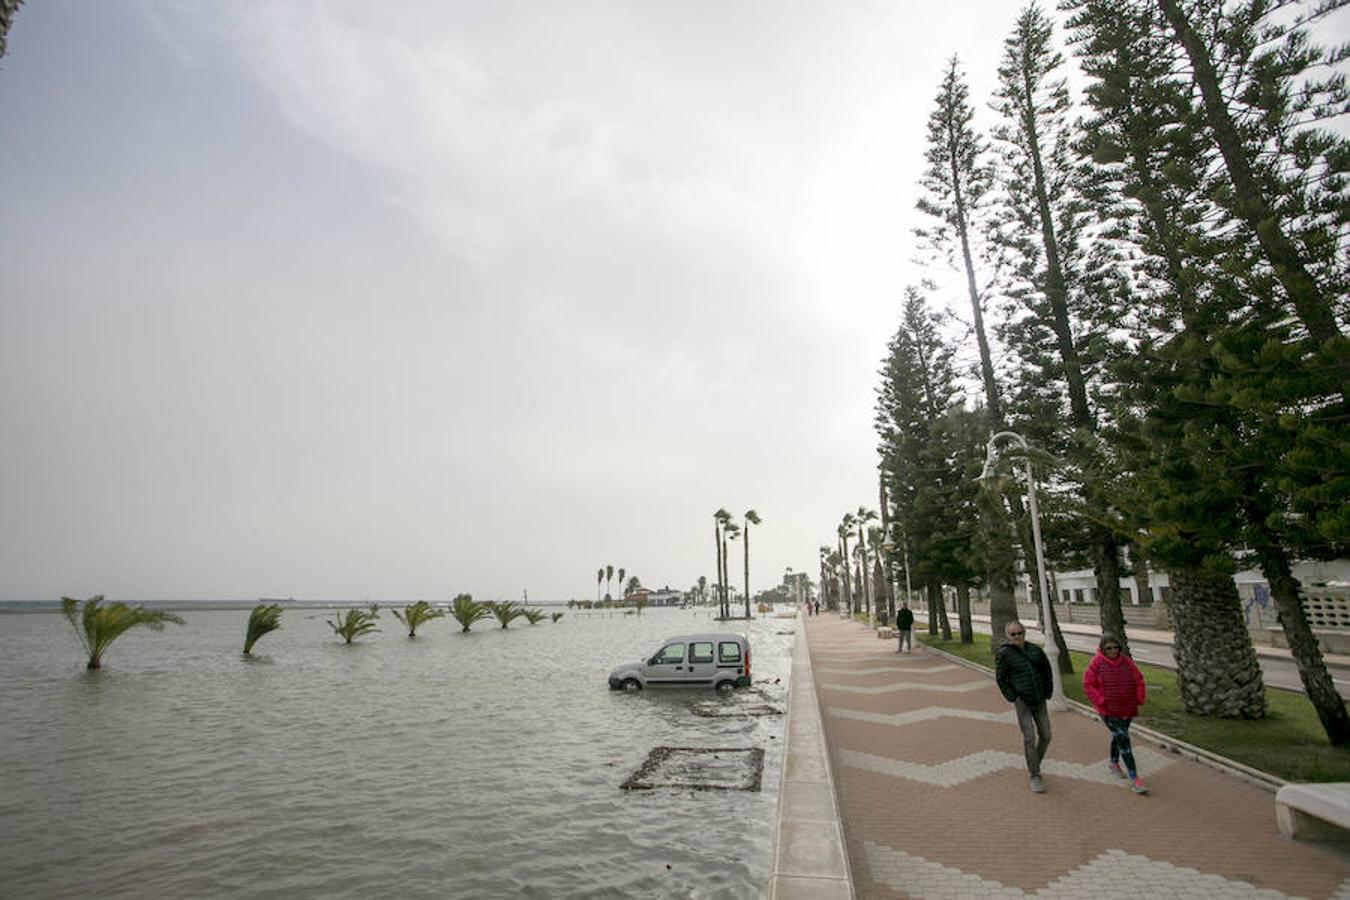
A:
{"x": 1116, "y": 688}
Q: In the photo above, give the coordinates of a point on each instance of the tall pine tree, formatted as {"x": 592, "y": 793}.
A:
{"x": 955, "y": 184}
{"x": 1059, "y": 277}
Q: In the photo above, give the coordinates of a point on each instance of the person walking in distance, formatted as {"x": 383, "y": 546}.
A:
{"x": 904, "y": 627}
{"x": 1115, "y": 686}
{"x": 1023, "y": 674}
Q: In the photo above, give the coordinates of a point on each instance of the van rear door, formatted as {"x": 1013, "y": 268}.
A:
{"x": 732, "y": 657}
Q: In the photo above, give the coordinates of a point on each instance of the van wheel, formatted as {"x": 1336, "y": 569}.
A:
{"x": 726, "y": 687}
{"x": 631, "y": 685}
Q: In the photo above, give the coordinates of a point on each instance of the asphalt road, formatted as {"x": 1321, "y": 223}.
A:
{"x": 1277, "y": 671}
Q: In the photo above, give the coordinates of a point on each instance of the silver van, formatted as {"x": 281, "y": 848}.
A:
{"x": 720, "y": 661}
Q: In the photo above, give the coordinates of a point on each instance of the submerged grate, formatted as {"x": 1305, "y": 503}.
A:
{"x": 714, "y": 710}
{"x": 700, "y": 768}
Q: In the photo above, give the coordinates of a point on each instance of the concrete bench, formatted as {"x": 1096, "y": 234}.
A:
{"x": 1314, "y": 812}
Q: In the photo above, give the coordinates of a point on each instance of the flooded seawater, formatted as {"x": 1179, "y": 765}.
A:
{"x": 453, "y": 765}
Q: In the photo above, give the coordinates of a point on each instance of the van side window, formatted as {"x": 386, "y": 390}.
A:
{"x": 729, "y": 652}
{"x": 670, "y": 653}
{"x": 700, "y": 652}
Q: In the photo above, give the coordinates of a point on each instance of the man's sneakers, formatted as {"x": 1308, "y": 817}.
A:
{"x": 1138, "y": 787}
{"x": 1116, "y": 770}
{"x": 1037, "y": 787}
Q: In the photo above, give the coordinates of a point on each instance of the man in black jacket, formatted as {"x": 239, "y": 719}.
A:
{"x": 1023, "y": 675}
{"x": 904, "y": 627}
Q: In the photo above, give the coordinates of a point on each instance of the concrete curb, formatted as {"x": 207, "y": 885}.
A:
{"x": 810, "y": 861}
{"x": 1162, "y": 741}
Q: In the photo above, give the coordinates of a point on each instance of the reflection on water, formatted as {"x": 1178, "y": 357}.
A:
{"x": 479, "y": 765}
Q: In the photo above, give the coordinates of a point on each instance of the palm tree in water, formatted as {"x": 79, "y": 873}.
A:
{"x": 355, "y": 623}
{"x": 265, "y": 618}
{"x": 418, "y": 614}
{"x": 98, "y": 625}
{"x": 466, "y": 611}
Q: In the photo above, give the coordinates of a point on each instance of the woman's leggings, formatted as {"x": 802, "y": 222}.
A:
{"x": 1120, "y": 742}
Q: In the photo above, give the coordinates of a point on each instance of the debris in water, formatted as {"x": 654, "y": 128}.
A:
{"x": 700, "y": 768}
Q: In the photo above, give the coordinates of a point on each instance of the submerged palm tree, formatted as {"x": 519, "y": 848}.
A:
{"x": 556, "y": 616}
{"x": 417, "y": 614}
{"x": 264, "y": 618}
{"x": 532, "y": 615}
{"x": 622, "y": 591}
{"x": 355, "y": 623}
{"x": 599, "y": 577}
{"x": 98, "y": 626}
{"x": 465, "y": 611}
{"x": 506, "y": 612}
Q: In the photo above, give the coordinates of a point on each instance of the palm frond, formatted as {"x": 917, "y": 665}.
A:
{"x": 355, "y": 623}
{"x": 98, "y": 626}
{"x": 506, "y": 612}
{"x": 466, "y": 611}
{"x": 264, "y": 618}
{"x": 417, "y": 614}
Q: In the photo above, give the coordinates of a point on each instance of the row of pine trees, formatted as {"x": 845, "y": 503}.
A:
{"x": 1152, "y": 271}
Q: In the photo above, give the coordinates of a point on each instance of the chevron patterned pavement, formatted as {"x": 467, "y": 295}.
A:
{"x": 933, "y": 796}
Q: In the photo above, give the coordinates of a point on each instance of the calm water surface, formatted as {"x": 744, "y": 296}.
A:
{"x": 479, "y": 765}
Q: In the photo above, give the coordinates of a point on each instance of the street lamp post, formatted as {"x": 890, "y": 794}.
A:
{"x": 1057, "y": 701}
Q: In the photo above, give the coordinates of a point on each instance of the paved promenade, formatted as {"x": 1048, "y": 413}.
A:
{"x": 932, "y": 795}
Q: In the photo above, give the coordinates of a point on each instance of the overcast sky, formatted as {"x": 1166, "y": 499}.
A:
{"x": 347, "y": 300}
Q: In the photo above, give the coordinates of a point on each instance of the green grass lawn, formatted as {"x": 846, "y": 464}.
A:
{"x": 1289, "y": 743}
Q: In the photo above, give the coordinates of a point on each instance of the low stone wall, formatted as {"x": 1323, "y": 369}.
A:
{"x": 1261, "y": 622}
{"x": 1088, "y": 614}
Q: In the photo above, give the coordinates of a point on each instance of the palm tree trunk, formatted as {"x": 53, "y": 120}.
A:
{"x": 746, "y": 548}
{"x": 726, "y": 578}
{"x": 843, "y": 566}
{"x": 721, "y": 595}
{"x": 1217, "y": 670}
{"x": 864, "y": 572}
